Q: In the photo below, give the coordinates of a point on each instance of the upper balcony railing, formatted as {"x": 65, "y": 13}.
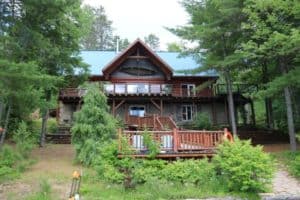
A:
{"x": 236, "y": 88}
{"x": 138, "y": 88}
{"x": 175, "y": 90}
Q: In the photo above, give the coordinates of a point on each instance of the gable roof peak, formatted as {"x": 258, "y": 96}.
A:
{"x": 122, "y": 56}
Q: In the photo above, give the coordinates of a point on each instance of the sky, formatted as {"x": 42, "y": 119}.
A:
{"x": 134, "y": 19}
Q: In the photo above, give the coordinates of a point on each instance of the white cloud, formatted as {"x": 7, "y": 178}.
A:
{"x": 137, "y": 18}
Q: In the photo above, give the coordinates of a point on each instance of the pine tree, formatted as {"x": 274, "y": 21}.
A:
{"x": 215, "y": 26}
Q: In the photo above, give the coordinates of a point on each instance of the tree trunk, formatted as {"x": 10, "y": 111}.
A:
{"x": 5, "y": 127}
{"x": 290, "y": 118}
{"x": 289, "y": 110}
{"x": 230, "y": 103}
{"x": 44, "y": 128}
{"x": 1, "y": 111}
{"x": 268, "y": 101}
{"x": 269, "y": 113}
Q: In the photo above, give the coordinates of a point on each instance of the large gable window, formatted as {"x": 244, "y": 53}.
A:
{"x": 187, "y": 112}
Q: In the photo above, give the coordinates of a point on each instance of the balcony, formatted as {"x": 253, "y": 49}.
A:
{"x": 137, "y": 89}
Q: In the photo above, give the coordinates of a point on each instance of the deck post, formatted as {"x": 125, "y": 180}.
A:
{"x": 175, "y": 139}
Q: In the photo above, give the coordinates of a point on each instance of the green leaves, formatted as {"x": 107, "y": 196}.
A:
{"x": 244, "y": 168}
{"x": 93, "y": 125}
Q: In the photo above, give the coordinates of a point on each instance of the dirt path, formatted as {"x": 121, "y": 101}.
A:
{"x": 284, "y": 186}
{"x": 54, "y": 164}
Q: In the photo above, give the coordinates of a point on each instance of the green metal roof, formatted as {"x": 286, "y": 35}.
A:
{"x": 99, "y": 59}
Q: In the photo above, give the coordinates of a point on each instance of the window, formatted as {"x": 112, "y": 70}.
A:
{"x": 120, "y": 88}
{"x": 187, "y": 112}
{"x": 188, "y": 89}
{"x": 138, "y": 111}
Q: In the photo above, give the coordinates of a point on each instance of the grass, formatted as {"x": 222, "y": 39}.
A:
{"x": 291, "y": 160}
{"x": 94, "y": 189}
{"x": 45, "y": 192}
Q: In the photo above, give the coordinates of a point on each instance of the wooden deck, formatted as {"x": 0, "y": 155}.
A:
{"x": 175, "y": 143}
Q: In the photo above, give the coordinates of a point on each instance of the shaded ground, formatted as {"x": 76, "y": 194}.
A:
{"x": 54, "y": 164}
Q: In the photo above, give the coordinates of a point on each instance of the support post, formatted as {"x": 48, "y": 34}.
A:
{"x": 161, "y": 107}
{"x": 175, "y": 139}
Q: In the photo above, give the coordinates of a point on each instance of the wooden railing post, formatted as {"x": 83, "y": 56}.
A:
{"x": 175, "y": 139}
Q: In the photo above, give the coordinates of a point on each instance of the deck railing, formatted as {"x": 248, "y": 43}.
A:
{"x": 174, "y": 141}
{"x": 236, "y": 88}
{"x": 138, "y": 88}
{"x": 71, "y": 92}
{"x": 151, "y": 122}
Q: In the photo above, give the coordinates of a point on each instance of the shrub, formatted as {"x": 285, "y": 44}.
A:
{"x": 295, "y": 166}
{"x": 202, "y": 121}
{"x": 24, "y": 139}
{"x": 8, "y": 161}
{"x": 52, "y": 125}
{"x": 243, "y": 167}
{"x": 189, "y": 171}
{"x": 151, "y": 145}
{"x": 146, "y": 170}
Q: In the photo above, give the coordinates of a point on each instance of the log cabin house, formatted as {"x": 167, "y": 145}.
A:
{"x": 147, "y": 88}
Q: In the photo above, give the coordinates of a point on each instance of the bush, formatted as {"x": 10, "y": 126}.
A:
{"x": 295, "y": 166}
{"x": 146, "y": 170}
{"x": 24, "y": 139}
{"x": 52, "y": 125}
{"x": 243, "y": 167}
{"x": 198, "y": 172}
{"x": 8, "y": 163}
{"x": 88, "y": 152}
{"x": 202, "y": 121}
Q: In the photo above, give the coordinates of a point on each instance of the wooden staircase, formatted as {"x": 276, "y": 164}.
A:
{"x": 62, "y": 135}
{"x": 150, "y": 122}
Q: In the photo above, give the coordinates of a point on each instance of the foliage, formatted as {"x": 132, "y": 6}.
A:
{"x": 202, "y": 121}
{"x": 198, "y": 172}
{"x": 147, "y": 170}
{"x": 153, "y": 41}
{"x": 44, "y": 193}
{"x": 100, "y": 36}
{"x": 154, "y": 189}
{"x": 24, "y": 139}
{"x": 243, "y": 167}
{"x": 15, "y": 160}
{"x": 8, "y": 160}
{"x": 174, "y": 47}
{"x": 291, "y": 160}
{"x": 92, "y": 123}
{"x": 152, "y": 146}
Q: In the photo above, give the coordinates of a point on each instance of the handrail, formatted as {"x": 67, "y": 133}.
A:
{"x": 177, "y": 140}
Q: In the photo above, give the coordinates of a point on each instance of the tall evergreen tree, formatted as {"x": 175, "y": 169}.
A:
{"x": 215, "y": 25}
{"x": 153, "y": 41}
{"x": 275, "y": 36}
{"x": 47, "y": 33}
{"x": 100, "y": 35}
